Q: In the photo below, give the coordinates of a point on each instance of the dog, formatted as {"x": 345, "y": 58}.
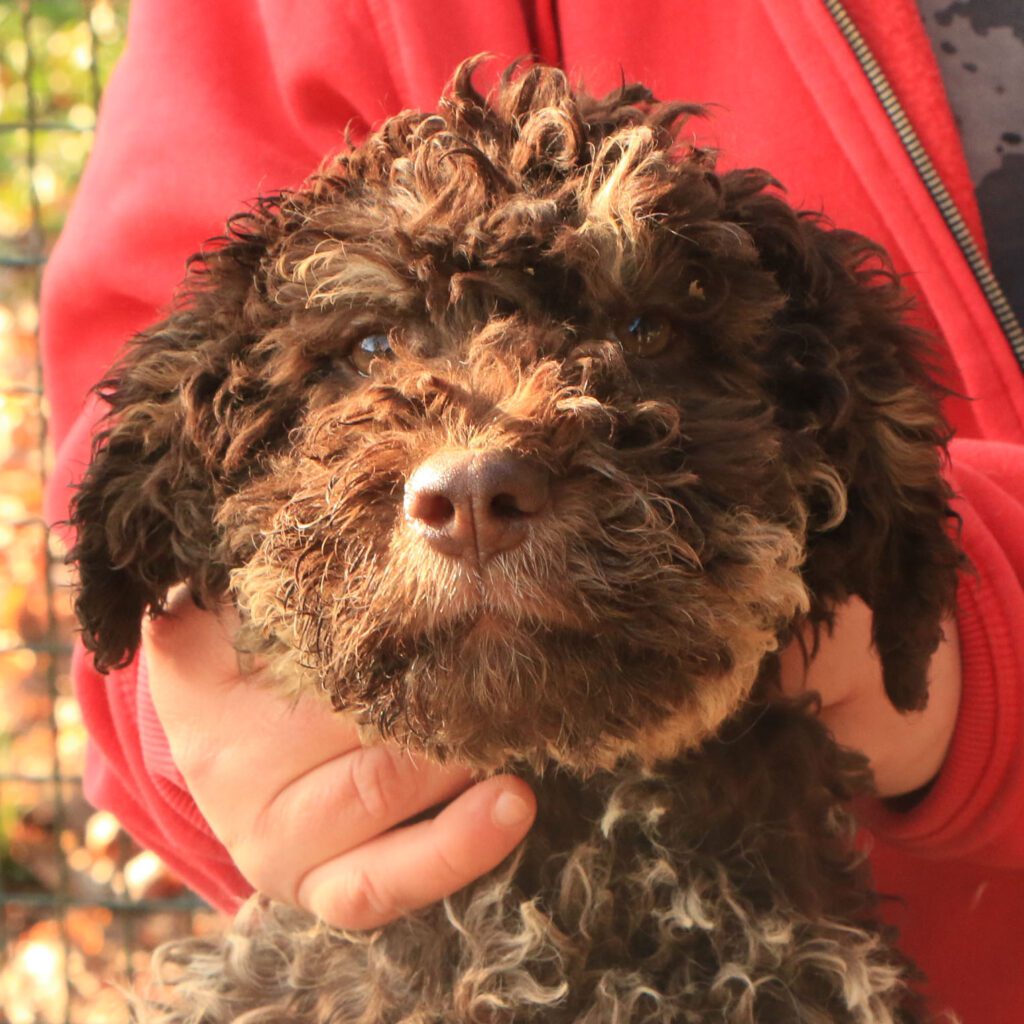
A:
{"x": 527, "y": 436}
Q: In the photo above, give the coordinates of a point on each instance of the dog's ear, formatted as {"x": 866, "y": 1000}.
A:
{"x": 143, "y": 512}
{"x": 849, "y": 380}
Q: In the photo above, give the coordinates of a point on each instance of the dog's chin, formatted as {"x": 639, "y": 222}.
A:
{"x": 491, "y": 694}
{"x": 526, "y": 665}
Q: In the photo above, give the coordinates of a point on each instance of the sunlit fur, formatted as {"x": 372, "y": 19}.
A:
{"x": 780, "y": 454}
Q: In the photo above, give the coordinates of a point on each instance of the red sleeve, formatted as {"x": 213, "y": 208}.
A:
{"x": 975, "y": 809}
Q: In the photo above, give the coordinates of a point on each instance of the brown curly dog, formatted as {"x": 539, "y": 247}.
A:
{"x": 528, "y": 437}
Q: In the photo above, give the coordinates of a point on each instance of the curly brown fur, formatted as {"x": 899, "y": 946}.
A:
{"x": 694, "y": 893}
{"x": 780, "y": 454}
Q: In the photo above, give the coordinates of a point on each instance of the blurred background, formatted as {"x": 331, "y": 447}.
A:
{"x": 81, "y": 906}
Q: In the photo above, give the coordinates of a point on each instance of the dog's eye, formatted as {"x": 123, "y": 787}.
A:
{"x": 373, "y": 346}
{"x": 646, "y": 335}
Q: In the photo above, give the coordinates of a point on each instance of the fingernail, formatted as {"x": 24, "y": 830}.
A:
{"x": 510, "y": 810}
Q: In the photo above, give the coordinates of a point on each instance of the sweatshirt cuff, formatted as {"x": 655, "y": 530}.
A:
{"x": 130, "y": 772}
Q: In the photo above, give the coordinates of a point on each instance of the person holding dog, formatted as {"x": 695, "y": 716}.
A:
{"x": 257, "y": 99}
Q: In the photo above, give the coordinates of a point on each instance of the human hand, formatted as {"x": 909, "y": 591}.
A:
{"x": 906, "y": 749}
{"x": 308, "y": 814}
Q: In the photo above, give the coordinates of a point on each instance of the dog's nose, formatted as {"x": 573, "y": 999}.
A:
{"x": 473, "y": 505}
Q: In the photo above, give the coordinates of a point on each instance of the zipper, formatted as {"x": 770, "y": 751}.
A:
{"x": 991, "y": 288}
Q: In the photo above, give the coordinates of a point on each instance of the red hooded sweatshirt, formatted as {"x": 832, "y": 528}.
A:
{"x": 216, "y": 102}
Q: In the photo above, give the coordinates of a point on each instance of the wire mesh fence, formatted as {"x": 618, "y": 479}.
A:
{"x": 80, "y": 904}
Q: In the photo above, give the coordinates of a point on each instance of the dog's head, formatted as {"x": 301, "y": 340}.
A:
{"x": 524, "y": 433}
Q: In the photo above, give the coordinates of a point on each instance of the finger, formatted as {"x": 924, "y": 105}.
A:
{"x": 906, "y": 749}
{"x": 195, "y": 681}
{"x": 335, "y": 807}
{"x": 218, "y": 732}
{"x": 844, "y": 653}
{"x": 218, "y": 722}
{"x": 314, "y": 779}
{"x": 199, "y": 641}
{"x": 414, "y": 866}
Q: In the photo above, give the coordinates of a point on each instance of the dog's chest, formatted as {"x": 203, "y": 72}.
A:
{"x": 720, "y": 888}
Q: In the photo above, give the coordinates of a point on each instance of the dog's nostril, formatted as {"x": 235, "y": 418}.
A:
{"x": 505, "y": 506}
{"x": 431, "y": 509}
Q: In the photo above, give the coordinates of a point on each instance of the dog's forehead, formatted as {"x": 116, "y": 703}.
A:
{"x": 451, "y": 216}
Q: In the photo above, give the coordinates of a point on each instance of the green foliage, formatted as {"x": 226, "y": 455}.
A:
{"x": 55, "y": 56}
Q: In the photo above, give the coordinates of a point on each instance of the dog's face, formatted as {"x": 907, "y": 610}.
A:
{"x": 513, "y": 430}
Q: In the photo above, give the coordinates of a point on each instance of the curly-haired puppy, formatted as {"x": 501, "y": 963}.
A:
{"x": 527, "y": 436}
